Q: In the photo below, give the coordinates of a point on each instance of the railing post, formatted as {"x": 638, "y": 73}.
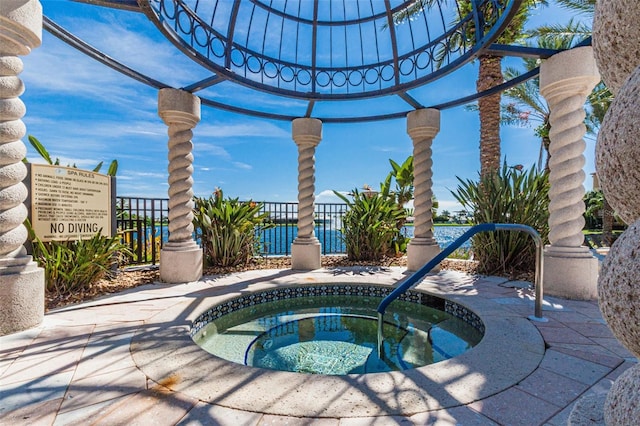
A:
{"x": 417, "y": 276}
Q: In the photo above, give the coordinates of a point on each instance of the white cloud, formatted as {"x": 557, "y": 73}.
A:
{"x": 328, "y": 196}
{"x": 243, "y": 166}
{"x": 451, "y": 205}
{"x": 210, "y": 149}
{"x": 239, "y": 129}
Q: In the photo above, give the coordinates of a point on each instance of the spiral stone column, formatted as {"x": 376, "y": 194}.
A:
{"x": 305, "y": 250}
{"x": 181, "y": 256}
{"x": 422, "y": 126}
{"x": 566, "y": 79}
{"x": 21, "y": 281}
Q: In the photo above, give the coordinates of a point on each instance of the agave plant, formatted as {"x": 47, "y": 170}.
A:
{"x": 228, "y": 228}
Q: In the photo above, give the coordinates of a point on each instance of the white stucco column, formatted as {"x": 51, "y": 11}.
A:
{"x": 21, "y": 281}
{"x": 181, "y": 256}
{"x": 566, "y": 79}
{"x": 305, "y": 250}
{"x": 422, "y": 126}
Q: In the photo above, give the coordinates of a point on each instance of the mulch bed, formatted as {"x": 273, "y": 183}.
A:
{"x": 134, "y": 277}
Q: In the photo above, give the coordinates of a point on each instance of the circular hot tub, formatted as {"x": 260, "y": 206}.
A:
{"x": 332, "y": 329}
{"x": 163, "y": 348}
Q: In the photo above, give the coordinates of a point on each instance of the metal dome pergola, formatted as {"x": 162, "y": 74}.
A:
{"x": 323, "y": 50}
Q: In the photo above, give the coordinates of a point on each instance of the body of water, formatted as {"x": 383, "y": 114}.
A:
{"x": 277, "y": 241}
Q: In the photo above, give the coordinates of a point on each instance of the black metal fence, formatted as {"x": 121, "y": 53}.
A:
{"x": 144, "y": 224}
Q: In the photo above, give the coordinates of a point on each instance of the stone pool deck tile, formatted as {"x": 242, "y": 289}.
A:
{"x": 77, "y": 367}
{"x": 590, "y": 329}
{"x": 450, "y": 417}
{"x": 575, "y": 368}
{"x": 38, "y": 414}
{"x": 36, "y": 391}
{"x": 102, "y": 387}
{"x": 155, "y": 406}
{"x": 594, "y": 353}
{"x": 612, "y": 344}
{"x": 273, "y": 420}
{"x": 563, "y": 335}
{"x": 515, "y": 407}
{"x": 552, "y": 387}
{"x": 207, "y": 414}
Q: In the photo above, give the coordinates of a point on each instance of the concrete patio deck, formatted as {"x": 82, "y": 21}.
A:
{"x": 88, "y": 364}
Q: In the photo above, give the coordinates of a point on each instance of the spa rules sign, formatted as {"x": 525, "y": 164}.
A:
{"x": 68, "y": 203}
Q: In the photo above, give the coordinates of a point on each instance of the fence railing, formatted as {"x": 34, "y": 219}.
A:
{"x": 144, "y": 224}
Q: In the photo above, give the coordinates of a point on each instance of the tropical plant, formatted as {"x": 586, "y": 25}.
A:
{"x": 228, "y": 228}
{"x": 489, "y": 71}
{"x": 40, "y": 149}
{"x": 369, "y": 226}
{"x": 563, "y": 37}
{"x": 507, "y": 196}
{"x": 402, "y": 175}
{"x": 73, "y": 266}
{"x": 594, "y": 205}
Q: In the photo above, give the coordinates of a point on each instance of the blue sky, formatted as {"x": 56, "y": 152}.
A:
{"x": 84, "y": 112}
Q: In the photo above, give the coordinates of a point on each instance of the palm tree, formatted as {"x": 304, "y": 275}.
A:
{"x": 489, "y": 73}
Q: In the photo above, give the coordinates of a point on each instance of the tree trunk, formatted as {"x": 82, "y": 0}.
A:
{"x": 489, "y": 75}
{"x": 607, "y": 223}
{"x": 546, "y": 142}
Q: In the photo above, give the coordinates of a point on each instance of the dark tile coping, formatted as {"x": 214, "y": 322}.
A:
{"x": 266, "y": 296}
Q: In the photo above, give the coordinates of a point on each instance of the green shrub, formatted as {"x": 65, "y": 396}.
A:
{"x": 228, "y": 228}
{"x": 369, "y": 226}
{"x": 507, "y": 196}
{"x": 77, "y": 265}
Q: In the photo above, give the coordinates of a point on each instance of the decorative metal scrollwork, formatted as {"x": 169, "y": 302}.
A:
{"x": 333, "y": 49}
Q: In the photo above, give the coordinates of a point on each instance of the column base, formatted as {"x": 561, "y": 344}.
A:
{"x": 305, "y": 254}
{"x": 420, "y": 252}
{"x": 180, "y": 262}
{"x": 21, "y": 295}
{"x": 570, "y": 273}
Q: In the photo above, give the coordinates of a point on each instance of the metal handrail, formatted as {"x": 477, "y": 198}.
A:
{"x": 484, "y": 227}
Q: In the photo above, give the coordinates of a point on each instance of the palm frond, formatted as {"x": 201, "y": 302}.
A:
{"x": 585, "y": 7}
{"x": 560, "y": 36}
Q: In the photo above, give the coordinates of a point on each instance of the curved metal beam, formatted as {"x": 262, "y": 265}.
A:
{"x": 91, "y": 51}
{"x": 95, "y": 54}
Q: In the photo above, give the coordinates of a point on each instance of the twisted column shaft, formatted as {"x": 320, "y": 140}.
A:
{"x": 422, "y": 127}
{"x": 423, "y": 194}
{"x": 180, "y": 182}
{"x": 565, "y": 81}
{"x": 566, "y": 177}
{"x": 181, "y": 112}
{"x": 307, "y": 133}
{"x": 570, "y": 270}
{"x": 180, "y": 257}
{"x": 21, "y": 280}
{"x": 305, "y": 250}
{"x": 13, "y": 192}
{"x": 20, "y": 32}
